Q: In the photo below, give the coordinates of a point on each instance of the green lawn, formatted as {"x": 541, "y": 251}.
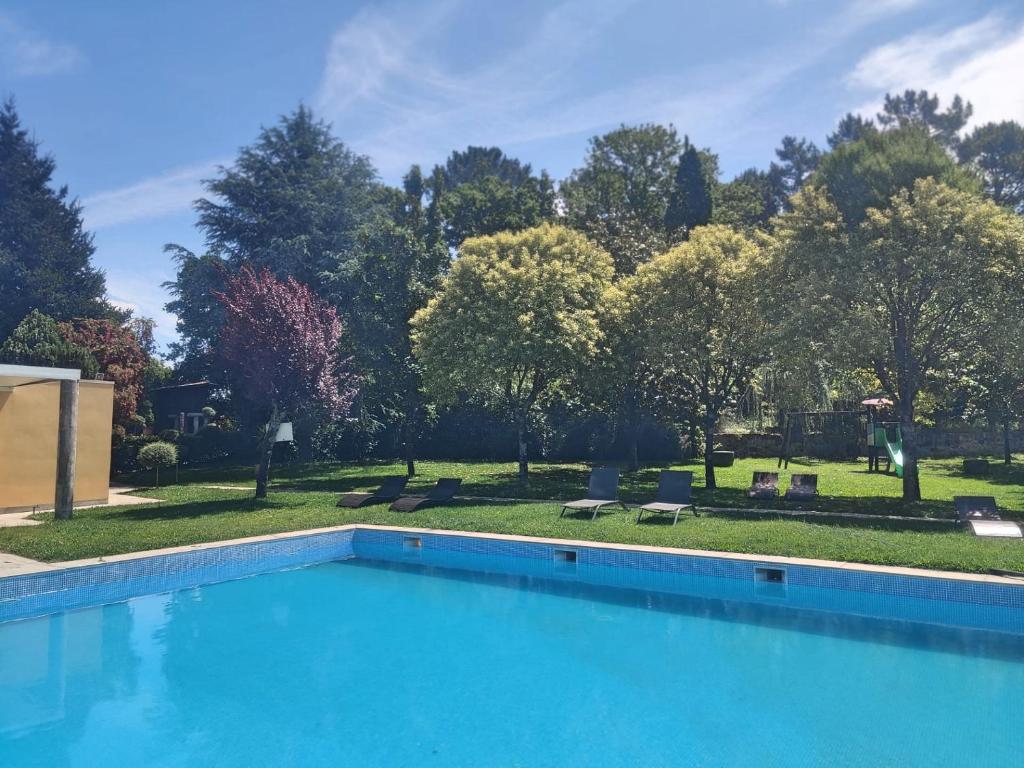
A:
{"x": 303, "y": 497}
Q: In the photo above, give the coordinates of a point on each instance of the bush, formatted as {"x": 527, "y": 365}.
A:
{"x": 170, "y": 435}
{"x": 135, "y": 425}
{"x": 125, "y": 456}
{"x": 156, "y": 455}
{"x": 213, "y": 444}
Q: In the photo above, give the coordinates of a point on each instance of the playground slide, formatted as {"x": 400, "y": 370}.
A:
{"x": 895, "y": 450}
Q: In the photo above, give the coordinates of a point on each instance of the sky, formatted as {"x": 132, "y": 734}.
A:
{"x": 140, "y": 102}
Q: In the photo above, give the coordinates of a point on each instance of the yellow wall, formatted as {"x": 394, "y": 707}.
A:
{"x": 28, "y": 443}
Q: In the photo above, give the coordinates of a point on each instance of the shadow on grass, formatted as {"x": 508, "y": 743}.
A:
{"x": 999, "y": 473}
{"x": 570, "y": 482}
{"x": 189, "y": 509}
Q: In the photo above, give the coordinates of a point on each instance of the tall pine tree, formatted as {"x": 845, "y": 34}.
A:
{"x": 689, "y": 204}
{"x": 45, "y": 253}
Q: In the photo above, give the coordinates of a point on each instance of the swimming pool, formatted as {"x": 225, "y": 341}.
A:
{"x": 390, "y": 648}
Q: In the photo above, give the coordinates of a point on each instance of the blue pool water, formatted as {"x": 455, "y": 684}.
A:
{"x": 352, "y": 663}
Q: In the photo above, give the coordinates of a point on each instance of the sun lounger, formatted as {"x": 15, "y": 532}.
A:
{"x": 981, "y": 515}
{"x": 389, "y": 490}
{"x": 673, "y": 495}
{"x": 602, "y": 491}
{"x": 765, "y": 485}
{"x": 802, "y": 487}
{"x": 444, "y": 491}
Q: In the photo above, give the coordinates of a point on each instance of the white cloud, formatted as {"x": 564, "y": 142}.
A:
{"x": 981, "y": 61}
{"x": 168, "y": 193}
{"x": 145, "y": 297}
{"x": 394, "y": 98}
{"x": 872, "y": 10}
{"x": 25, "y": 53}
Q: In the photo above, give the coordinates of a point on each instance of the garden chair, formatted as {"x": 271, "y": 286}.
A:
{"x": 444, "y": 491}
{"x": 673, "y": 495}
{"x": 802, "y": 487}
{"x": 979, "y": 512}
{"x": 765, "y": 485}
{"x": 602, "y": 491}
{"x": 389, "y": 490}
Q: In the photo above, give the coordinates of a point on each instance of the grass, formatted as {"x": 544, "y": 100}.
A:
{"x": 844, "y": 486}
{"x": 303, "y": 497}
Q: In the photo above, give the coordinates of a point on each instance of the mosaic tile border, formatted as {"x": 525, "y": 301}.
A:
{"x": 947, "y": 601}
{"x": 62, "y": 589}
{"x": 960, "y": 601}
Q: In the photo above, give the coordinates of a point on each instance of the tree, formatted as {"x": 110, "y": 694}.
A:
{"x": 200, "y": 315}
{"x": 293, "y": 203}
{"x": 867, "y": 173}
{"x": 850, "y": 129}
{"x": 121, "y": 360}
{"x": 708, "y": 321}
{"x": 619, "y": 197}
{"x": 37, "y": 340}
{"x": 156, "y": 455}
{"x": 996, "y": 151}
{"x": 45, "y": 254}
{"x": 906, "y": 288}
{"x": 690, "y": 201}
{"x": 995, "y": 366}
{"x": 516, "y": 316}
{"x": 399, "y": 264}
{"x": 798, "y": 159}
{"x": 481, "y": 191}
{"x": 746, "y": 202}
{"x": 489, "y": 205}
{"x": 280, "y": 344}
{"x": 477, "y": 163}
{"x": 922, "y": 109}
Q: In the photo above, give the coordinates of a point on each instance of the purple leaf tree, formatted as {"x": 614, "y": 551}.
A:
{"x": 280, "y": 343}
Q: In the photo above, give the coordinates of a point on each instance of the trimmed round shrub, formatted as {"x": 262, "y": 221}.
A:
{"x": 156, "y": 455}
{"x": 170, "y": 435}
{"x": 136, "y": 424}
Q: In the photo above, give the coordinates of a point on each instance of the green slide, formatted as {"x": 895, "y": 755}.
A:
{"x": 895, "y": 450}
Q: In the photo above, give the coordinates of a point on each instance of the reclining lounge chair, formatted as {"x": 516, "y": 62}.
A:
{"x": 979, "y": 512}
{"x": 443, "y": 491}
{"x": 602, "y": 491}
{"x": 802, "y": 487}
{"x": 673, "y": 495}
{"x": 765, "y": 485}
{"x": 389, "y": 490}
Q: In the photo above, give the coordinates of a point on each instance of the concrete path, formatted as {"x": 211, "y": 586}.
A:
{"x": 11, "y": 565}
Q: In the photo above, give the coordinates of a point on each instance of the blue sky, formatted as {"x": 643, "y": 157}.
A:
{"x": 141, "y": 101}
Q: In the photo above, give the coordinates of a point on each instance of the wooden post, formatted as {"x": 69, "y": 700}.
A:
{"x": 67, "y": 438}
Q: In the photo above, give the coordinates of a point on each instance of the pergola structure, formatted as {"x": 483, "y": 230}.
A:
{"x": 14, "y": 376}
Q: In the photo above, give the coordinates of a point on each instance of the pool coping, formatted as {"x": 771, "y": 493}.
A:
{"x": 892, "y": 570}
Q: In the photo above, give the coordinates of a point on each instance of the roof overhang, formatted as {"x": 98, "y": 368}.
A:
{"x": 12, "y": 376}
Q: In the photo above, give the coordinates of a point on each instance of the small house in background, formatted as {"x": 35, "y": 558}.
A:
{"x": 180, "y": 406}
{"x": 30, "y": 412}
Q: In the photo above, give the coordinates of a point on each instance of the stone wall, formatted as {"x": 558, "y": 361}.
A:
{"x": 932, "y": 442}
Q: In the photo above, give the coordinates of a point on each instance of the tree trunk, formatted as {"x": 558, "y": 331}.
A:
{"x": 266, "y": 453}
{"x": 1007, "y": 453}
{"x": 409, "y": 447}
{"x": 692, "y": 451}
{"x": 709, "y": 449}
{"x": 67, "y": 439}
{"x": 631, "y": 414}
{"x": 523, "y": 464}
{"x": 911, "y": 479}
